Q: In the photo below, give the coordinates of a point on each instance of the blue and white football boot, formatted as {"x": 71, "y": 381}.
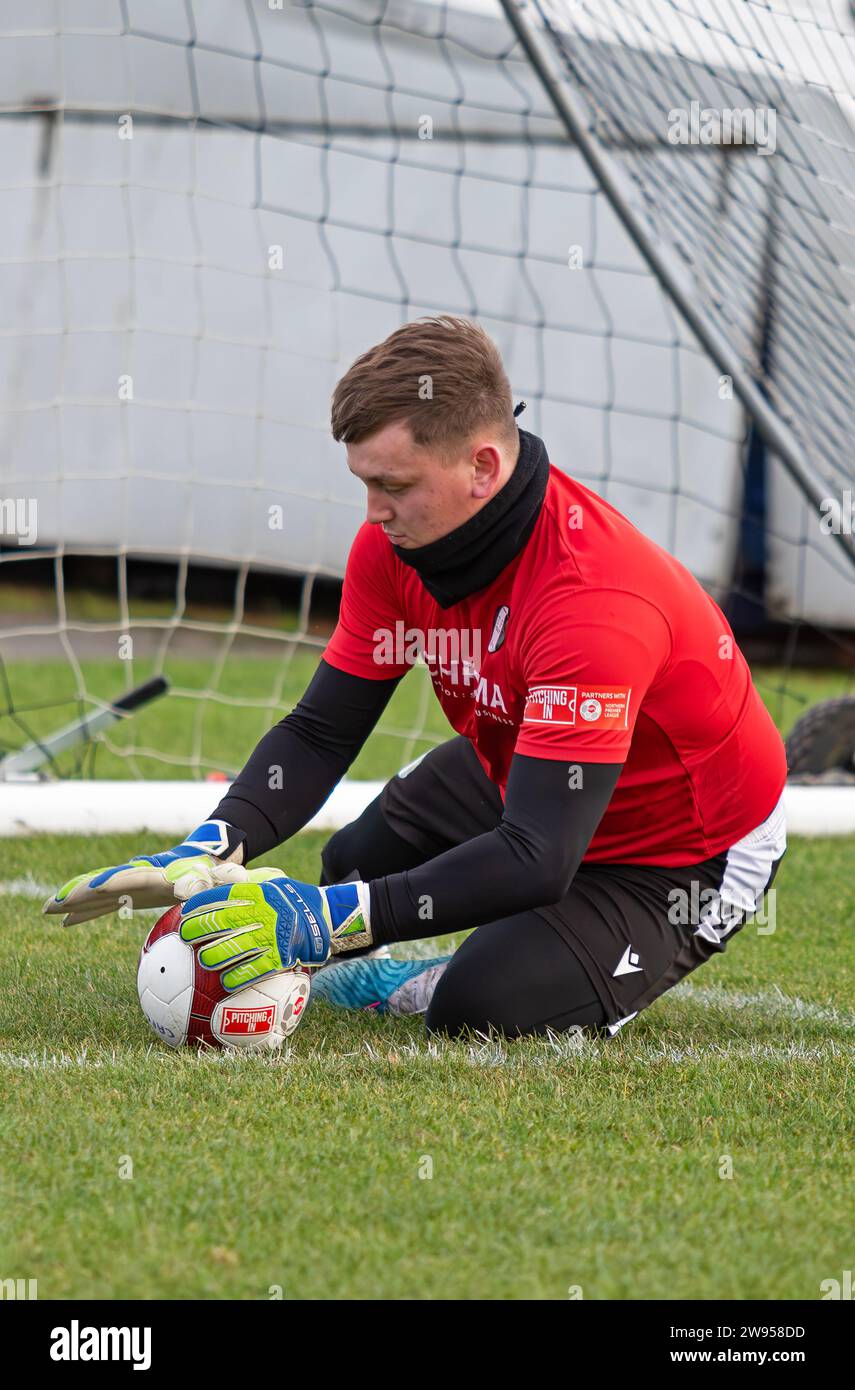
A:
{"x": 379, "y": 982}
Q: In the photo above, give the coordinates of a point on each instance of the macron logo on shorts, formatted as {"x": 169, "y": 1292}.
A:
{"x": 629, "y": 962}
{"x": 591, "y": 707}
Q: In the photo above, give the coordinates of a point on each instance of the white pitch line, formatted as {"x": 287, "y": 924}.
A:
{"x": 26, "y": 887}
{"x": 487, "y": 1056}
{"x": 771, "y": 1002}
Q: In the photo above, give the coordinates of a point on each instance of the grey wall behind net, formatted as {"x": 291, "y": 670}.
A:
{"x": 147, "y": 261}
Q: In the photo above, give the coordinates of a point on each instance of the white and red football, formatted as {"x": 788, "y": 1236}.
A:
{"x": 186, "y": 1004}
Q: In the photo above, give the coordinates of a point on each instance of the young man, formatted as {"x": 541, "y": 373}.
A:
{"x": 609, "y": 809}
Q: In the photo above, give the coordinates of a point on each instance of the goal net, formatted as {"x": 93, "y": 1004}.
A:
{"x": 210, "y": 209}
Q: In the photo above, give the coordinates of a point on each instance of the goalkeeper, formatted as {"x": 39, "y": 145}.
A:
{"x": 608, "y": 811}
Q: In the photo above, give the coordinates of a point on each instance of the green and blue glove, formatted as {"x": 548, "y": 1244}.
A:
{"x": 212, "y": 854}
{"x": 272, "y": 922}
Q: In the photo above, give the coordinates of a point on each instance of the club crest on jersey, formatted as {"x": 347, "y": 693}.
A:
{"x": 597, "y": 707}
{"x": 500, "y": 628}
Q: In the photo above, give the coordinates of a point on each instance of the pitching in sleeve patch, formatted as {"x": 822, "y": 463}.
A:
{"x": 581, "y": 706}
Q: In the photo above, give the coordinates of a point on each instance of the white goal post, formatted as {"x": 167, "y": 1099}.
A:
{"x": 168, "y": 808}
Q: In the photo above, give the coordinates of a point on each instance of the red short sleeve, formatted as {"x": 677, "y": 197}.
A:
{"x": 368, "y": 640}
{"x": 588, "y": 660}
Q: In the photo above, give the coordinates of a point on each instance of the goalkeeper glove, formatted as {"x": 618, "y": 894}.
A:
{"x": 257, "y": 927}
{"x": 210, "y": 855}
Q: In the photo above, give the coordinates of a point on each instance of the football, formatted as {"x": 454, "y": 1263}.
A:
{"x": 187, "y": 1004}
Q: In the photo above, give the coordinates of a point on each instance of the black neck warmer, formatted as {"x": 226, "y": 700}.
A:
{"x": 472, "y": 556}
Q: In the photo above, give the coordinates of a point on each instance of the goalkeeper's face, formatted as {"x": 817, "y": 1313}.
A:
{"x": 417, "y": 494}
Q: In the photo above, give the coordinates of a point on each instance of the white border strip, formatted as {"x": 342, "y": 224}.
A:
{"x": 172, "y": 808}
{"x": 161, "y": 808}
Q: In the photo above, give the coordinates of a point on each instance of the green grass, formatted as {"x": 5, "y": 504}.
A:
{"x": 554, "y": 1164}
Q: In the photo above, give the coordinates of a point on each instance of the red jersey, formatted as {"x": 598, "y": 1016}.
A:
{"x": 592, "y": 645}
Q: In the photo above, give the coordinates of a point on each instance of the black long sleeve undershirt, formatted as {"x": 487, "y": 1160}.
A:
{"x": 301, "y": 759}
{"x": 528, "y": 861}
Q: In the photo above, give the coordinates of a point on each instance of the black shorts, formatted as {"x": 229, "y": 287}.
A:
{"x": 636, "y": 929}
